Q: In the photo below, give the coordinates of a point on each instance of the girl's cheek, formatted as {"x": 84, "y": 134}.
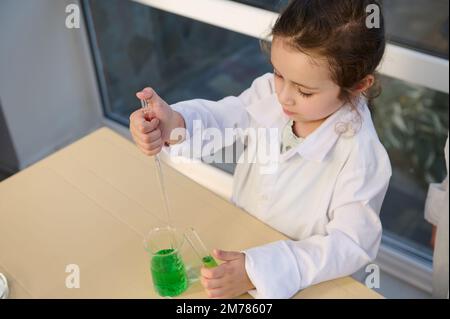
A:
{"x": 309, "y": 112}
{"x": 313, "y": 109}
{"x": 327, "y": 107}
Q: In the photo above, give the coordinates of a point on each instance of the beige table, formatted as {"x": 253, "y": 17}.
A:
{"x": 92, "y": 203}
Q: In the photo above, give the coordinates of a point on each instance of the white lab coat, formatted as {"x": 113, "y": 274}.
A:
{"x": 436, "y": 212}
{"x": 325, "y": 194}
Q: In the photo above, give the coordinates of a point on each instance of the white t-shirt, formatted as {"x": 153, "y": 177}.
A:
{"x": 325, "y": 193}
{"x": 289, "y": 140}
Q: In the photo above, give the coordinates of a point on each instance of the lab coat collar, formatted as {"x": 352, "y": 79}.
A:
{"x": 317, "y": 145}
{"x": 345, "y": 122}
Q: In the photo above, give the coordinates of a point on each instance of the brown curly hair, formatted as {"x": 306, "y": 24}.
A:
{"x": 336, "y": 30}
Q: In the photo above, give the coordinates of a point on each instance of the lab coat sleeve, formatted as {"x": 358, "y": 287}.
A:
{"x": 436, "y": 212}
{"x": 352, "y": 239}
{"x": 229, "y": 113}
{"x": 436, "y": 200}
{"x": 437, "y": 196}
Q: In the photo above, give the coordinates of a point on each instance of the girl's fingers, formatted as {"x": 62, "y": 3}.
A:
{"x": 150, "y": 146}
{"x": 146, "y": 138}
{"x": 137, "y": 136}
{"x": 226, "y": 255}
{"x": 148, "y": 114}
{"x": 151, "y": 152}
{"x": 213, "y": 273}
{"x": 152, "y": 98}
{"x": 145, "y": 127}
{"x": 152, "y": 136}
{"x": 142, "y": 114}
{"x": 217, "y": 293}
{"x": 145, "y": 94}
{"x": 155, "y": 145}
{"x": 144, "y": 142}
{"x": 153, "y": 124}
{"x": 212, "y": 283}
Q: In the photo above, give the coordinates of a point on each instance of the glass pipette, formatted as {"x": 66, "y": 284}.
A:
{"x": 145, "y": 107}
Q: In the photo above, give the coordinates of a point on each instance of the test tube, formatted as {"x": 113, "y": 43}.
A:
{"x": 200, "y": 249}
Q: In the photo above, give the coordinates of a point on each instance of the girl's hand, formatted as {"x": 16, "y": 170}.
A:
{"x": 229, "y": 279}
{"x": 151, "y": 130}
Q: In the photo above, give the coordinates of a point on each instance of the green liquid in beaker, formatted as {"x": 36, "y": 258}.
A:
{"x": 209, "y": 262}
{"x": 168, "y": 273}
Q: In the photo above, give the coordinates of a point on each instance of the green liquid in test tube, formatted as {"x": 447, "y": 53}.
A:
{"x": 209, "y": 262}
{"x": 200, "y": 249}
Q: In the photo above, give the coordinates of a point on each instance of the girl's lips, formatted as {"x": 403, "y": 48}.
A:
{"x": 288, "y": 113}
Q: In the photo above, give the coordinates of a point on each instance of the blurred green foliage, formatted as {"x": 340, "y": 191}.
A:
{"x": 412, "y": 123}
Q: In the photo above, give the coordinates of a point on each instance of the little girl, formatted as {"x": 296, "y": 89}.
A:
{"x": 332, "y": 175}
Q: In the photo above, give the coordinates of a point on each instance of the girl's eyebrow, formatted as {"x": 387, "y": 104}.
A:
{"x": 298, "y": 84}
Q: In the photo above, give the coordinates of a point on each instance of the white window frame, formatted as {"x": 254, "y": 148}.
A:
{"x": 401, "y": 63}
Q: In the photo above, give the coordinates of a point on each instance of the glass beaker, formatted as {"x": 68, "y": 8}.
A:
{"x": 166, "y": 266}
{"x": 3, "y": 287}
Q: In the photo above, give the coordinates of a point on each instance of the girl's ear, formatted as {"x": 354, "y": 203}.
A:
{"x": 365, "y": 84}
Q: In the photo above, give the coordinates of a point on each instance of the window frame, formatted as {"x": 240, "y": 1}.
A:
{"x": 429, "y": 71}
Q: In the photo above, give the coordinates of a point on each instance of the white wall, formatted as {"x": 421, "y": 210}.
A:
{"x": 48, "y": 89}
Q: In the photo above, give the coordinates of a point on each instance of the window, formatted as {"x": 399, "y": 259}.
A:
{"x": 136, "y": 46}
{"x": 412, "y": 123}
{"x": 272, "y": 5}
{"x": 418, "y": 24}
{"x": 139, "y": 46}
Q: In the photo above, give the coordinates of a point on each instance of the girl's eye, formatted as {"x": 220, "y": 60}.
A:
{"x": 305, "y": 95}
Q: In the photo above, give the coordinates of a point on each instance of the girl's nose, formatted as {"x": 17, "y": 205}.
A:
{"x": 285, "y": 96}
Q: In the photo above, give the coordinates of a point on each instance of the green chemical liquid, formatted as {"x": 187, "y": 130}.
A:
{"x": 168, "y": 273}
{"x": 209, "y": 262}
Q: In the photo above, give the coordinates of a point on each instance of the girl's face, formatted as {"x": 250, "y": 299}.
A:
{"x": 303, "y": 84}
